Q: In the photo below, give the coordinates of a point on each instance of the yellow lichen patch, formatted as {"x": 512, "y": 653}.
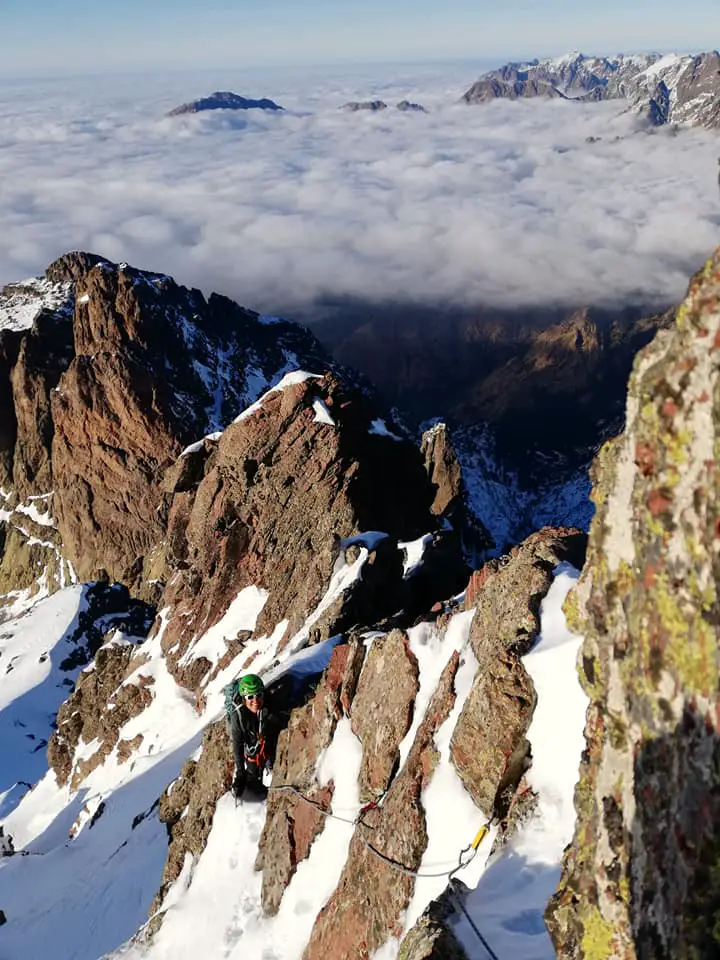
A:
{"x": 624, "y": 890}
{"x": 617, "y": 731}
{"x": 682, "y": 316}
{"x": 709, "y": 597}
{"x": 694, "y": 659}
{"x": 677, "y": 446}
{"x": 597, "y": 937}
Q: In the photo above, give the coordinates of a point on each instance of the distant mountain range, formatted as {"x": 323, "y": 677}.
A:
{"x": 678, "y": 89}
{"x": 682, "y": 89}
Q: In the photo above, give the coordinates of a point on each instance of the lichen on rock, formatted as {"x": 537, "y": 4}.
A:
{"x": 640, "y": 879}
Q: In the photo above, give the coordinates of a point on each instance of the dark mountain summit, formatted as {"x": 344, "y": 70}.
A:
{"x": 374, "y": 106}
{"x": 224, "y": 100}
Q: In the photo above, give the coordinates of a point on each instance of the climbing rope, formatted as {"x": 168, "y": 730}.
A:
{"x": 458, "y": 900}
{"x": 471, "y": 848}
{"x": 358, "y": 821}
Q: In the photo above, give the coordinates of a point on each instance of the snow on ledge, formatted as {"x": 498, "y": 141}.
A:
{"x": 194, "y": 447}
{"x": 242, "y": 614}
{"x": 30, "y": 510}
{"x": 414, "y": 552}
{"x": 379, "y": 428}
{"x": 289, "y": 380}
{"x": 322, "y": 414}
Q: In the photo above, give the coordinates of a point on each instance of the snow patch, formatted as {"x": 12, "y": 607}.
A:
{"x": 322, "y": 414}
{"x": 241, "y": 615}
{"x": 414, "y": 551}
{"x": 297, "y": 376}
{"x": 379, "y": 428}
{"x": 22, "y": 302}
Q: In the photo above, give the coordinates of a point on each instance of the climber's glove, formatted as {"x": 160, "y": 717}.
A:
{"x": 238, "y": 787}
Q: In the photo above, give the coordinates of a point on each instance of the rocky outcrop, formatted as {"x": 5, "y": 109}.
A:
{"x": 506, "y": 594}
{"x": 366, "y": 907}
{"x": 380, "y": 722}
{"x": 374, "y": 106}
{"x": 99, "y": 706}
{"x": 444, "y": 471}
{"x": 451, "y": 496}
{"x": 640, "y": 879}
{"x": 7, "y": 848}
{"x": 432, "y": 937}
{"x": 279, "y": 503}
{"x": 485, "y": 90}
{"x": 108, "y": 627}
{"x": 223, "y": 100}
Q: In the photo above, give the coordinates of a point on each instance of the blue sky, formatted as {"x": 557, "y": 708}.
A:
{"x": 78, "y": 35}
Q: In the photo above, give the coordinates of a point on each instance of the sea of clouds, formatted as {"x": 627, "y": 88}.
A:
{"x": 505, "y": 204}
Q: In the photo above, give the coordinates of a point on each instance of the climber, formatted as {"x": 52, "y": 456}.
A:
{"x": 254, "y": 731}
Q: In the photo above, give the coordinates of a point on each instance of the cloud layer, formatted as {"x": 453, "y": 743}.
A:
{"x": 505, "y": 204}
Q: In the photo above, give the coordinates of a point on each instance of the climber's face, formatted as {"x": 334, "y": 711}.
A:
{"x": 254, "y": 702}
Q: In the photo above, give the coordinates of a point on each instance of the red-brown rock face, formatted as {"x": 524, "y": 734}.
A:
{"x": 366, "y": 908}
{"x": 117, "y": 372}
{"x": 292, "y": 824}
{"x": 489, "y": 747}
{"x": 273, "y": 503}
{"x": 380, "y": 722}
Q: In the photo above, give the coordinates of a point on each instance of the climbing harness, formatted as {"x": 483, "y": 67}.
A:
{"x": 257, "y": 755}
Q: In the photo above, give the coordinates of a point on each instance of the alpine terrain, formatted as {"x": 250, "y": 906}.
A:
{"x": 680, "y": 89}
{"x": 495, "y": 742}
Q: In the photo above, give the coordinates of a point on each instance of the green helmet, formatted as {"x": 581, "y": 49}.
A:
{"x": 250, "y": 685}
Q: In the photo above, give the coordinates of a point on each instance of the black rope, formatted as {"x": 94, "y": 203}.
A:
{"x": 358, "y": 821}
{"x": 400, "y": 867}
{"x": 481, "y": 938}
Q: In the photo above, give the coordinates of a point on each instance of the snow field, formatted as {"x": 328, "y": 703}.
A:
{"x": 61, "y": 897}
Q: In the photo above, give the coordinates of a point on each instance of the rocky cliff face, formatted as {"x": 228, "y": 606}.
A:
{"x": 108, "y": 373}
{"x": 283, "y": 499}
{"x": 640, "y": 879}
{"x": 309, "y": 521}
{"x": 671, "y": 89}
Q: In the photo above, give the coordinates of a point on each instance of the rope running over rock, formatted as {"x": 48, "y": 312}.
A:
{"x": 401, "y": 868}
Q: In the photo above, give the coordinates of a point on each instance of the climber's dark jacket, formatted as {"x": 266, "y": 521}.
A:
{"x": 254, "y": 739}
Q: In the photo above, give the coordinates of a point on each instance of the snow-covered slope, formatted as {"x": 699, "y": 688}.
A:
{"x": 22, "y": 302}
{"x": 510, "y": 509}
{"x": 90, "y": 860}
